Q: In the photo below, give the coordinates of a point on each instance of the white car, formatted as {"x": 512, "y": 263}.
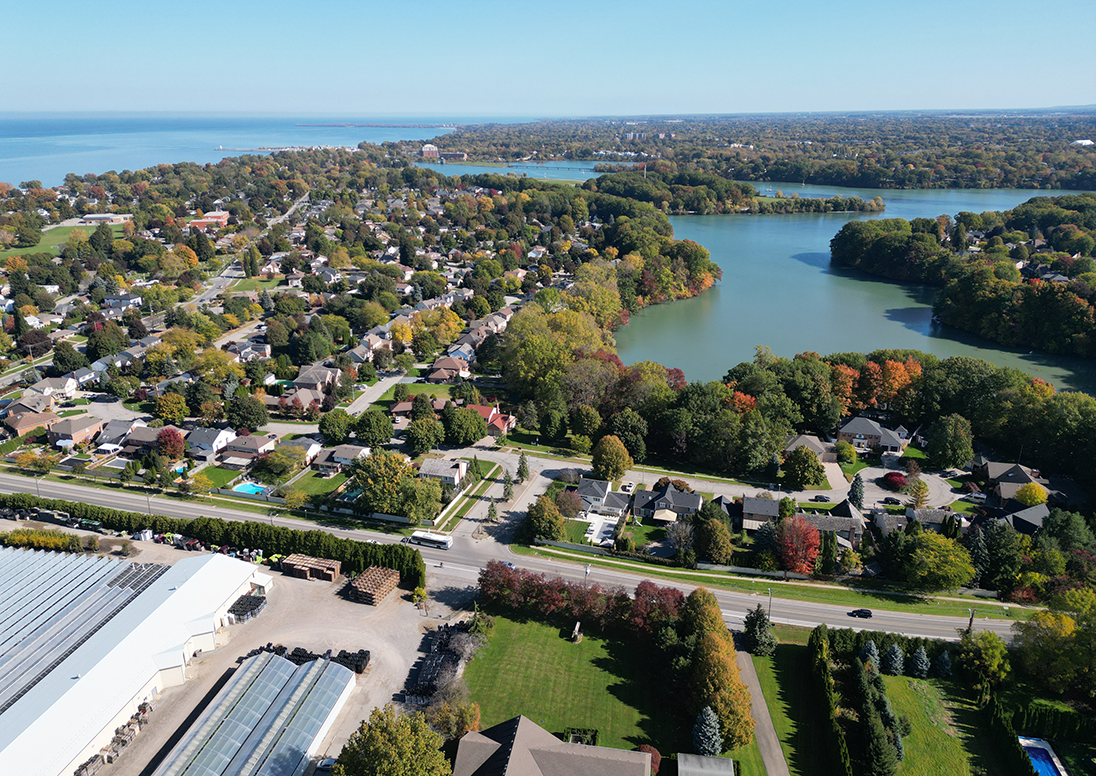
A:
{"x": 325, "y": 765}
{"x": 627, "y": 487}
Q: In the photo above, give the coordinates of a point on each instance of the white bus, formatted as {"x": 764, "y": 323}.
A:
{"x": 438, "y": 541}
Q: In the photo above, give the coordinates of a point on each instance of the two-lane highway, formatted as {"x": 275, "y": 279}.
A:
{"x": 461, "y": 565}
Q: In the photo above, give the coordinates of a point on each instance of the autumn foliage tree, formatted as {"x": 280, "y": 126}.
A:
{"x": 170, "y": 443}
{"x": 799, "y": 542}
{"x": 611, "y": 460}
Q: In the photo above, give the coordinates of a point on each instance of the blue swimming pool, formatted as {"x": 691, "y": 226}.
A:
{"x": 249, "y": 487}
{"x": 1043, "y": 762}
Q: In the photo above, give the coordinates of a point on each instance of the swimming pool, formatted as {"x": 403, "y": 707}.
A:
{"x": 1042, "y": 757}
{"x": 249, "y": 487}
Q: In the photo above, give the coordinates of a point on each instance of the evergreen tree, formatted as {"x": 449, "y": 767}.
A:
{"x": 869, "y": 653}
{"x": 492, "y": 512}
{"x": 706, "y": 737}
{"x": 941, "y": 667}
{"x": 21, "y": 326}
{"x": 266, "y": 302}
{"x": 758, "y": 632}
{"x": 827, "y": 558}
{"x": 979, "y": 553}
{"x": 245, "y": 261}
{"x": 523, "y": 467}
{"x": 880, "y": 758}
{"x": 507, "y": 486}
{"x": 475, "y": 470}
{"x": 856, "y": 491}
{"x": 919, "y": 665}
{"x": 894, "y": 661}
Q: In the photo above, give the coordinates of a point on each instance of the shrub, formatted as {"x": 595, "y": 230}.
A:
{"x": 656, "y": 758}
{"x": 895, "y": 481}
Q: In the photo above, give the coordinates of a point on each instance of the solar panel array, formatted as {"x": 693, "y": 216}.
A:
{"x": 264, "y": 722}
{"x": 51, "y": 603}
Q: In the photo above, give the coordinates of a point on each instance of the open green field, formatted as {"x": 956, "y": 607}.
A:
{"x": 533, "y": 669}
{"x": 51, "y": 240}
{"x": 414, "y": 389}
{"x": 257, "y": 284}
{"x": 315, "y": 483}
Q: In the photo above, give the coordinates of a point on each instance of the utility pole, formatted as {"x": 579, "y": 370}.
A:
{"x": 770, "y": 603}
{"x": 970, "y": 625}
{"x": 586, "y": 575}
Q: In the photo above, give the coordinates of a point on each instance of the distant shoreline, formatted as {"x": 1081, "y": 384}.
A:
{"x": 384, "y": 126}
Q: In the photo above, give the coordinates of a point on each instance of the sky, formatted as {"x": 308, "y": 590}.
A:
{"x": 440, "y": 58}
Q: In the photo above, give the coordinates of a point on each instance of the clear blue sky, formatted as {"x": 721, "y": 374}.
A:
{"x": 553, "y": 58}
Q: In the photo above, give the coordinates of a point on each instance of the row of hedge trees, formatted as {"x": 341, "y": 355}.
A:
{"x": 1009, "y": 751}
{"x": 818, "y": 647}
{"x": 1045, "y": 722}
{"x": 354, "y": 555}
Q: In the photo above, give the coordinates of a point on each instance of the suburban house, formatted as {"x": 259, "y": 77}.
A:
{"x": 849, "y": 530}
{"x": 316, "y": 378}
{"x": 520, "y": 747}
{"x": 142, "y": 440}
{"x": 60, "y": 388}
{"x": 866, "y": 434}
{"x": 309, "y": 447}
{"x": 444, "y": 470}
{"x": 334, "y": 459}
{"x": 122, "y": 301}
{"x": 403, "y": 408}
{"x": 447, "y": 369}
{"x": 667, "y": 503}
{"x": 250, "y": 447}
{"x": 83, "y": 376}
{"x": 360, "y": 354}
{"x": 33, "y": 403}
{"x": 75, "y": 431}
{"x": 22, "y": 422}
{"x": 161, "y": 387}
{"x": 207, "y": 442}
{"x": 116, "y": 431}
{"x": 1028, "y": 521}
{"x": 758, "y": 511}
{"x": 824, "y": 450}
{"x": 593, "y": 492}
{"x": 248, "y": 349}
{"x": 731, "y": 509}
{"x": 498, "y": 423}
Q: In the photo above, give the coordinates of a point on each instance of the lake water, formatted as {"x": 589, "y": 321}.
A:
{"x": 570, "y": 171}
{"x": 778, "y": 289}
{"x": 46, "y": 148}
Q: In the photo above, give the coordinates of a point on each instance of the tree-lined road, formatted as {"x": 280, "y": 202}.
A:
{"x": 473, "y": 549}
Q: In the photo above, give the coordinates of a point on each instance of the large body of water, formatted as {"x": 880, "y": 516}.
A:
{"x": 778, "y": 289}
{"x": 570, "y": 171}
{"x": 46, "y": 148}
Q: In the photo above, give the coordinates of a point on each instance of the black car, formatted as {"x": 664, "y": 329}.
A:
{"x": 864, "y": 614}
{"x": 821, "y": 499}
{"x": 892, "y": 500}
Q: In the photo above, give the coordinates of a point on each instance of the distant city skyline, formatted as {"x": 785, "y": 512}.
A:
{"x": 488, "y": 58}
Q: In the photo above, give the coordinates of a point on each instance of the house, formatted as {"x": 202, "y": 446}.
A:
{"x": 216, "y": 219}
{"x": 248, "y": 349}
{"x": 1028, "y": 521}
{"x": 317, "y": 378}
{"x": 75, "y": 431}
{"x": 32, "y": 403}
{"x": 161, "y": 387}
{"x": 615, "y": 503}
{"x": 758, "y": 511}
{"x": 251, "y": 446}
{"x": 464, "y": 352}
{"x": 122, "y": 301}
{"x": 60, "y": 388}
{"x": 700, "y": 765}
{"x": 731, "y": 509}
{"x": 294, "y": 279}
{"x": 447, "y": 369}
{"x": 309, "y": 447}
{"x": 849, "y": 530}
{"x": 667, "y": 499}
{"x": 142, "y": 440}
{"x": 498, "y": 423}
{"x": 520, "y": 747}
{"x": 204, "y": 442}
{"x": 22, "y": 422}
{"x": 444, "y": 470}
{"x": 593, "y": 492}
{"x": 334, "y": 459}
{"x": 361, "y": 354}
{"x": 83, "y": 376}
{"x": 823, "y": 450}
{"x": 116, "y": 431}
{"x": 866, "y": 434}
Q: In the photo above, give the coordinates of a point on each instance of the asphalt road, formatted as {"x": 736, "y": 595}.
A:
{"x": 472, "y": 550}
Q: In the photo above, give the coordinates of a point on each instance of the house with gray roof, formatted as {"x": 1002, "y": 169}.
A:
{"x": 667, "y": 503}
{"x": 444, "y": 470}
{"x": 593, "y": 492}
{"x": 866, "y": 434}
{"x": 1028, "y": 521}
{"x": 758, "y": 511}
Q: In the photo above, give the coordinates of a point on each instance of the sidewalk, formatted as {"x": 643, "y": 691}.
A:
{"x": 771, "y": 753}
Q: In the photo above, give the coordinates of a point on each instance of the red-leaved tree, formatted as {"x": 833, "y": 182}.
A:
{"x": 895, "y": 480}
{"x": 656, "y": 758}
{"x": 799, "y": 542}
{"x": 169, "y": 443}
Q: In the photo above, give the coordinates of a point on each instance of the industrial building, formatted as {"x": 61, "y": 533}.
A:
{"x": 268, "y": 720}
{"x": 85, "y": 640}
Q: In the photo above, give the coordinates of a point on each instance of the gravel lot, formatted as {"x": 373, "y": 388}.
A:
{"x": 300, "y": 613}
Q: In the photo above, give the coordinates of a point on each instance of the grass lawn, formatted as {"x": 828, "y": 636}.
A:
{"x": 533, "y": 669}
{"x": 51, "y": 240}
{"x": 220, "y": 477}
{"x": 575, "y": 531}
{"x": 256, "y": 284}
{"x": 647, "y": 531}
{"x": 798, "y": 724}
{"x": 414, "y": 389}
{"x": 850, "y": 469}
{"x": 315, "y": 484}
{"x": 936, "y": 745}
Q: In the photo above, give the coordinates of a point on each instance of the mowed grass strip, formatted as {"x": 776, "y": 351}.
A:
{"x": 530, "y": 668}
{"x": 785, "y": 681}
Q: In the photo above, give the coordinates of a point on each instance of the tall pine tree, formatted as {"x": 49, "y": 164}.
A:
{"x": 856, "y": 491}
{"x": 706, "y": 738}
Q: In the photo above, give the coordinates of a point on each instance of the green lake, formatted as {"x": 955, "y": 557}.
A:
{"x": 778, "y": 289}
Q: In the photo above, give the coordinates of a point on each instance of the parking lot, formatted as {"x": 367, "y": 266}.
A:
{"x": 300, "y": 613}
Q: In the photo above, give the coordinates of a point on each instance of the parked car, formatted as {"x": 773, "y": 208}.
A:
{"x": 508, "y": 564}
{"x": 977, "y": 498}
{"x": 892, "y": 500}
{"x": 864, "y": 614}
{"x": 821, "y": 499}
{"x": 627, "y": 487}
{"x": 326, "y": 765}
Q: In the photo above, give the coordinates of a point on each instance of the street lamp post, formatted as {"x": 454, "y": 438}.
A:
{"x": 770, "y": 603}
{"x": 970, "y": 625}
{"x": 586, "y": 575}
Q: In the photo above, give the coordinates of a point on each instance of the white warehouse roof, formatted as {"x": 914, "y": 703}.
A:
{"x": 117, "y": 657}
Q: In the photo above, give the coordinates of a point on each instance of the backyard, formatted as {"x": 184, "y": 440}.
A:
{"x": 316, "y": 483}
